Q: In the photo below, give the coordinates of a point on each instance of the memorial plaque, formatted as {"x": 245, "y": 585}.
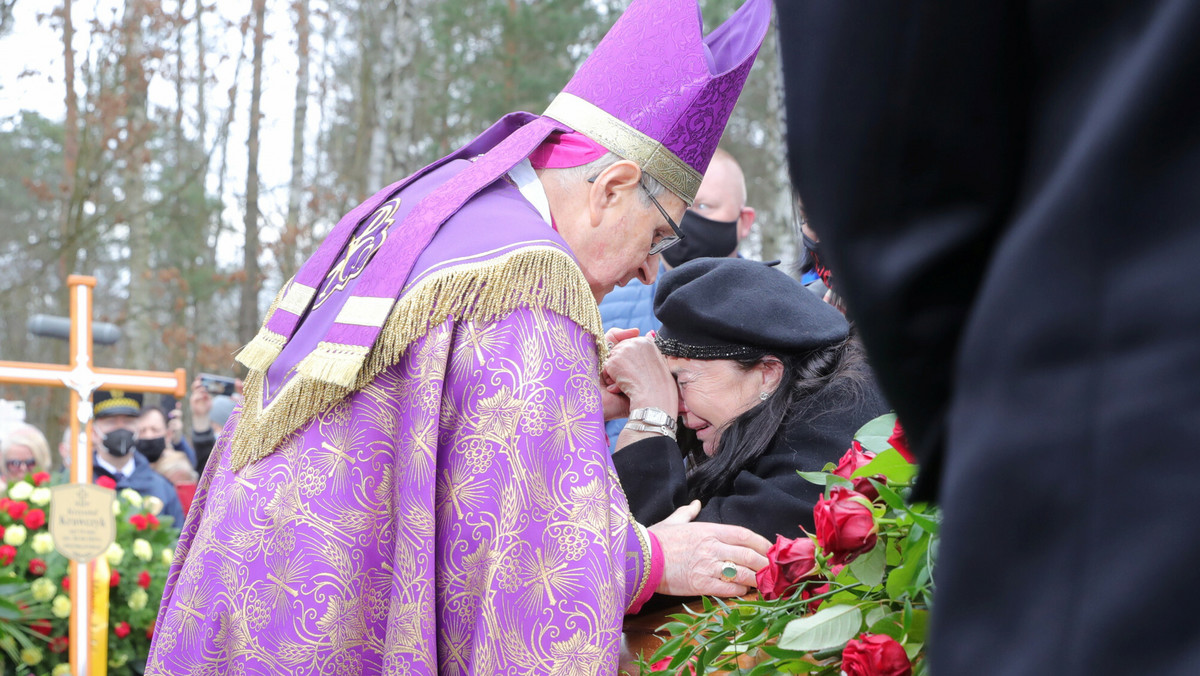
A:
{"x": 82, "y": 521}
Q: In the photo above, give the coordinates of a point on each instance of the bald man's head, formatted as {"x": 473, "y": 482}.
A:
{"x": 724, "y": 219}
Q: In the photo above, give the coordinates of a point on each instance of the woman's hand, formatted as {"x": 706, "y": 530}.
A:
{"x": 638, "y": 370}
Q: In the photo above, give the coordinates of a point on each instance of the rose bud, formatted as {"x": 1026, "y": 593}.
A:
{"x": 37, "y": 567}
{"x": 7, "y": 554}
{"x": 107, "y": 482}
{"x": 856, "y": 456}
{"x": 41, "y": 626}
{"x": 144, "y": 579}
{"x": 845, "y": 524}
{"x": 789, "y": 562}
{"x": 114, "y": 579}
{"x": 121, "y": 630}
{"x": 41, "y": 478}
{"x": 875, "y": 655}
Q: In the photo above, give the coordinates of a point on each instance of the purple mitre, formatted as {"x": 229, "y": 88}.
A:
{"x": 656, "y": 91}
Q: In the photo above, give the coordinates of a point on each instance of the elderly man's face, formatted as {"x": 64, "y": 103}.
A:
{"x": 616, "y": 228}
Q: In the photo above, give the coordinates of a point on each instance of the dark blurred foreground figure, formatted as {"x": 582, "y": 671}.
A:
{"x": 1008, "y": 193}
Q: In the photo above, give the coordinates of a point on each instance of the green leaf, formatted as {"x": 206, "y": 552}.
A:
{"x": 875, "y": 614}
{"x": 899, "y": 580}
{"x": 874, "y": 435}
{"x": 930, "y": 525}
{"x": 818, "y": 478}
{"x": 828, "y": 628}
{"x": 889, "y": 625}
{"x": 913, "y": 648}
{"x": 868, "y": 568}
{"x": 891, "y": 497}
{"x": 918, "y": 627}
{"x": 667, "y": 649}
{"x": 890, "y": 464}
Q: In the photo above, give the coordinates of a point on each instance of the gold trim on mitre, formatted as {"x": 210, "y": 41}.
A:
{"x": 631, "y": 144}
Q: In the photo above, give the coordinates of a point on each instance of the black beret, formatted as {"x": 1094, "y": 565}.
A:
{"x": 116, "y": 402}
{"x": 728, "y": 308}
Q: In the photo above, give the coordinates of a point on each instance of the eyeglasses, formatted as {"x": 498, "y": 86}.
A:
{"x": 668, "y": 241}
{"x": 20, "y": 464}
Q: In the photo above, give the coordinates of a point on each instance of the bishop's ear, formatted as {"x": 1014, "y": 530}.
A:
{"x": 613, "y": 188}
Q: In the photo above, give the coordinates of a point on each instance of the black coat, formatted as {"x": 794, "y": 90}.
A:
{"x": 1009, "y": 198}
{"x": 766, "y": 496}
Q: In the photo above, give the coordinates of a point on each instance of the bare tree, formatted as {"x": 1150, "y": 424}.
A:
{"x": 248, "y": 315}
{"x": 289, "y": 240}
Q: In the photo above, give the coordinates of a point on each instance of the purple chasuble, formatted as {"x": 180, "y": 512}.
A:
{"x": 458, "y": 514}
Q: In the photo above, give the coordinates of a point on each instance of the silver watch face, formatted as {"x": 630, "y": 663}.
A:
{"x": 655, "y": 416}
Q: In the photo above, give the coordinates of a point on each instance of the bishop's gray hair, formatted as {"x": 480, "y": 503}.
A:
{"x": 570, "y": 175}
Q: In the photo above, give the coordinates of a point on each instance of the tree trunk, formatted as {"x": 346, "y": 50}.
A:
{"x": 140, "y": 329}
{"x": 289, "y": 249}
{"x": 248, "y": 315}
{"x": 70, "y": 224}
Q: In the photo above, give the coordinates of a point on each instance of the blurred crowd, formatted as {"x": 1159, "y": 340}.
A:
{"x": 138, "y": 441}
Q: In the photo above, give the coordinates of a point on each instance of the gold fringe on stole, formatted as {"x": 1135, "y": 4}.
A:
{"x": 535, "y": 277}
{"x": 260, "y": 353}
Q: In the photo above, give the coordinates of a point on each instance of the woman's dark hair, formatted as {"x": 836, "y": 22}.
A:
{"x": 838, "y": 372}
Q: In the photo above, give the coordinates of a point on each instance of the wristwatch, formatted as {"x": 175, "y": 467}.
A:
{"x": 652, "y": 420}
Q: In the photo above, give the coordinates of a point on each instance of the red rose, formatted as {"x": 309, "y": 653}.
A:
{"x": 41, "y": 478}
{"x": 138, "y": 521}
{"x": 855, "y": 458}
{"x": 665, "y": 662}
{"x": 845, "y": 524}
{"x": 152, "y": 520}
{"x": 16, "y": 509}
{"x": 121, "y": 630}
{"x": 35, "y": 519}
{"x": 37, "y": 567}
{"x": 144, "y": 579}
{"x": 41, "y": 626}
{"x": 4, "y": 503}
{"x": 875, "y": 655}
{"x": 66, "y": 583}
{"x": 114, "y": 579}
{"x": 59, "y": 644}
{"x": 7, "y": 554}
{"x": 900, "y": 442}
{"x": 1, "y": 531}
{"x": 107, "y": 482}
{"x": 789, "y": 562}
{"x": 150, "y": 632}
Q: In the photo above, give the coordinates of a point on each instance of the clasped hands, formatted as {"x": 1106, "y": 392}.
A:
{"x": 635, "y": 376}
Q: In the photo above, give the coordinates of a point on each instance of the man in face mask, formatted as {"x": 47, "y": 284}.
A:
{"x": 712, "y": 227}
{"x": 115, "y": 451}
{"x": 719, "y": 219}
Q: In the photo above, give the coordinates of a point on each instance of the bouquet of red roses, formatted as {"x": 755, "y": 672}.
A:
{"x": 852, "y": 598}
{"x": 35, "y": 585}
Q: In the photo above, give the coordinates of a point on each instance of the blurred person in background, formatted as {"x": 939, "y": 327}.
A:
{"x": 154, "y": 440}
{"x": 115, "y": 454}
{"x": 24, "y": 451}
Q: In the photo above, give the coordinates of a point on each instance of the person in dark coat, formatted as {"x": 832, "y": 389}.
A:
{"x": 1009, "y": 196}
{"x": 766, "y": 381}
{"x": 115, "y": 455}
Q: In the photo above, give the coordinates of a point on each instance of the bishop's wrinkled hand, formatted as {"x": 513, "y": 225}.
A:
{"x": 695, "y": 555}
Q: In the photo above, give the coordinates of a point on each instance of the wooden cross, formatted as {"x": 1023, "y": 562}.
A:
{"x": 82, "y": 379}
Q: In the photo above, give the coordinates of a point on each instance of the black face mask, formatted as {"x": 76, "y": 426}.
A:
{"x": 152, "y": 448}
{"x": 702, "y": 238}
{"x": 119, "y": 443}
